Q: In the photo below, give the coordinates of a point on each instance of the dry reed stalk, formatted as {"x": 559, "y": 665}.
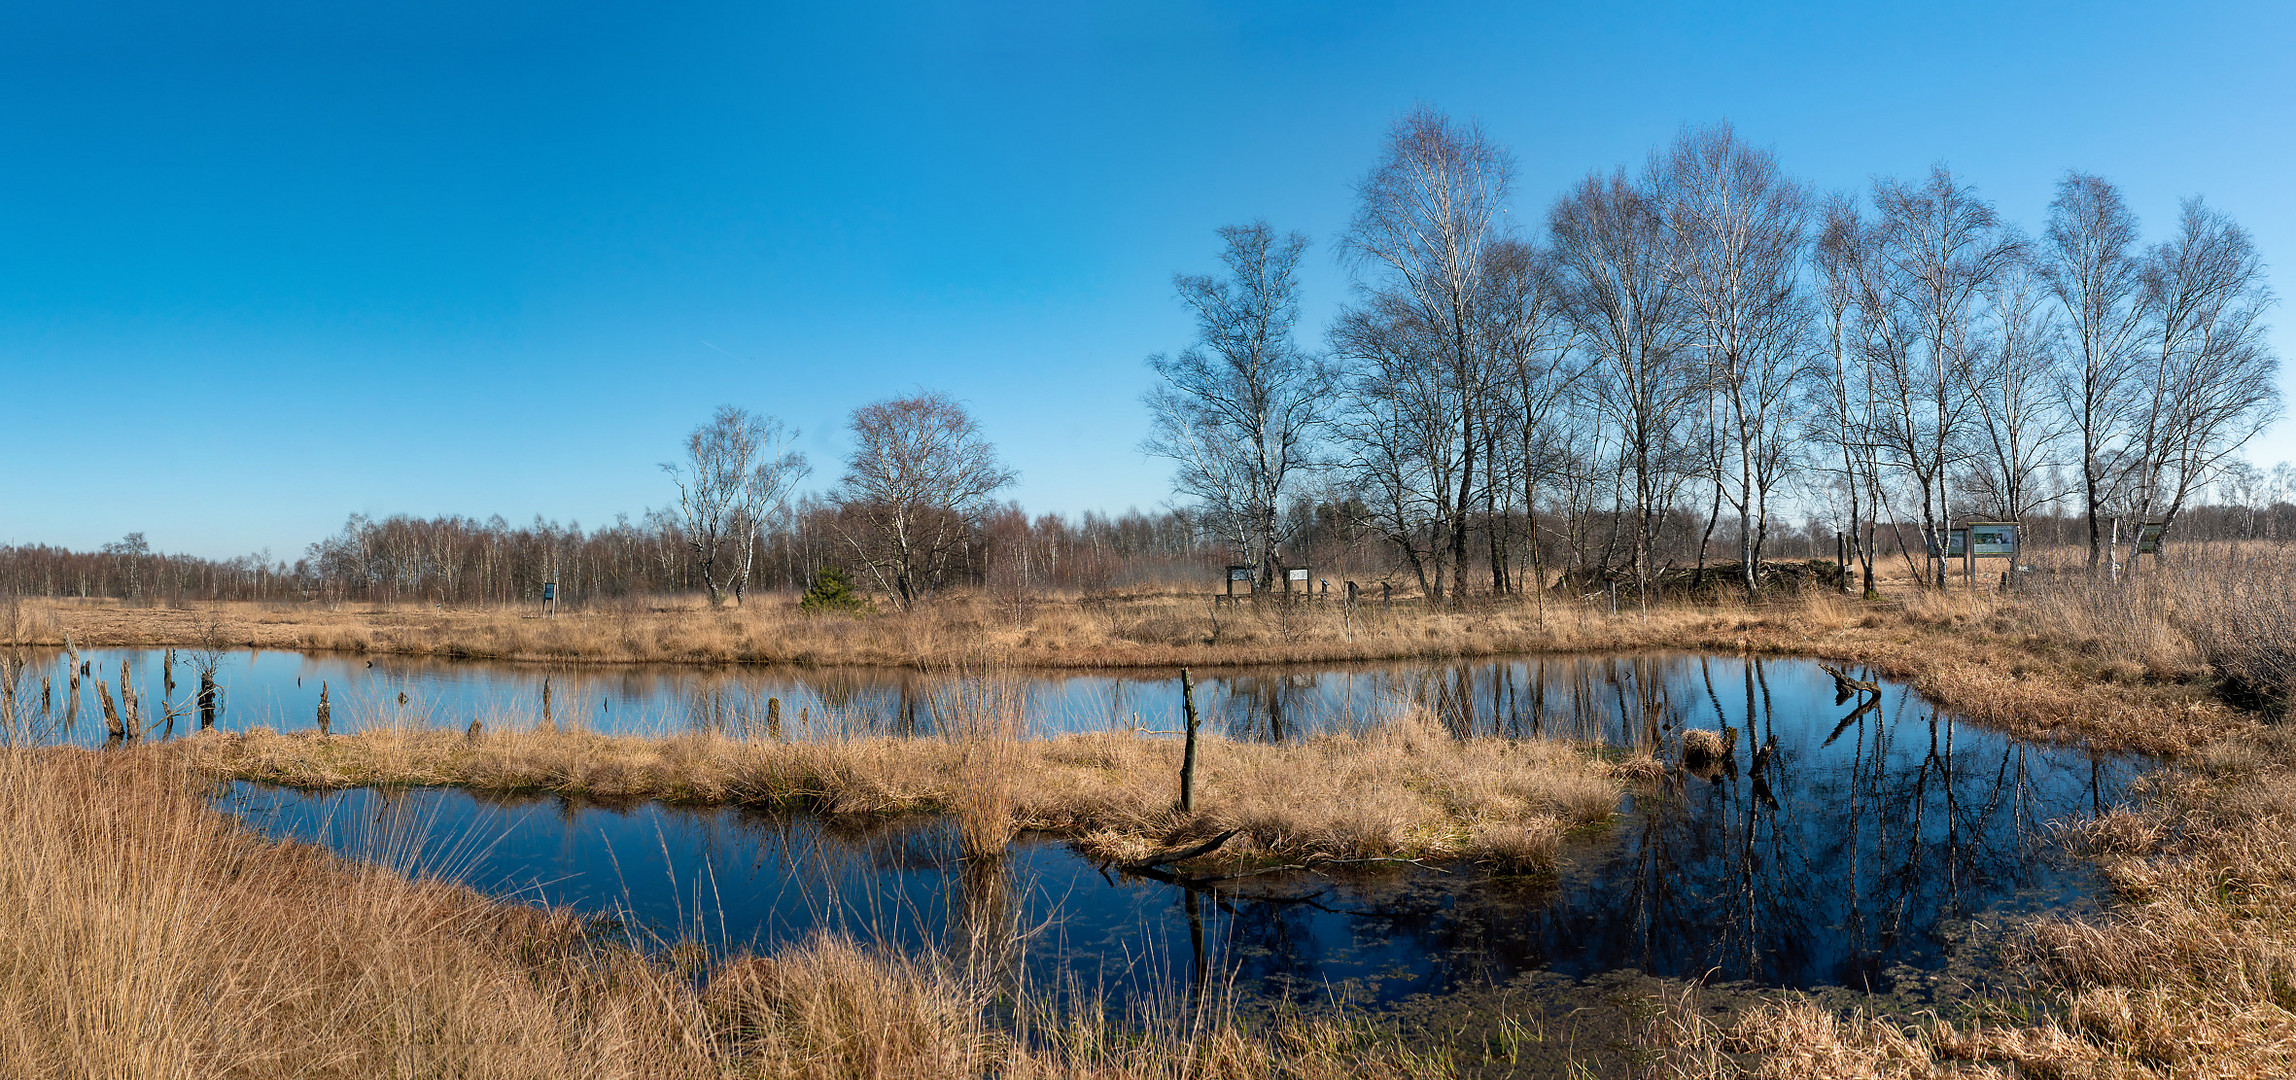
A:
{"x": 984, "y": 716}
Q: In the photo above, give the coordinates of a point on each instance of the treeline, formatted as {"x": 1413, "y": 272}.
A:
{"x": 1704, "y": 350}
{"x": 466, "y": 562}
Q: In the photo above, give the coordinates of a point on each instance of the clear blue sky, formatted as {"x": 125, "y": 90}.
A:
{"x": 266, "y": 264}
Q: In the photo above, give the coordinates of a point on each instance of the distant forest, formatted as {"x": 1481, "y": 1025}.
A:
{"x": 463, "y": 562}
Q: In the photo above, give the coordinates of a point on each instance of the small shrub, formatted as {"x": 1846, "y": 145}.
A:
{"x": 831, "y": 590}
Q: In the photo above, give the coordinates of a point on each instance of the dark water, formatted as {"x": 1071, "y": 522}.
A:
{"x": 1872, "y": 847}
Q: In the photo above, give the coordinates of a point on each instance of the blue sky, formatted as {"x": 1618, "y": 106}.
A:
{"x": 264, "y": 265}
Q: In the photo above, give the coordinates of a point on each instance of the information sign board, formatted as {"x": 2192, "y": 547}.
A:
{"x": 2148, "y": 537}
{"x": 1993, "y": 539}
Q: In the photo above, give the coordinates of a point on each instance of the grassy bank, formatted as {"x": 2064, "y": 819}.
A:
{"x": 1406, "y": 790}
{"x": 151, "y": 936}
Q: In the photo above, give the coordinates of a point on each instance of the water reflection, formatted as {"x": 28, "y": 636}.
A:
{"x": 1632, "y": 701}
{"x": 1842, "y": 839}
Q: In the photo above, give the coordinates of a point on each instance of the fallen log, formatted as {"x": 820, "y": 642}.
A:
{"x": 1183, "y": 854}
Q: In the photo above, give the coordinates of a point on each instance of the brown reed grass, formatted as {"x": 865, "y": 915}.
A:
{"x": 984, "y": 719}
{"x": 149, "y": 935}
{"x": 1406, "y": 790}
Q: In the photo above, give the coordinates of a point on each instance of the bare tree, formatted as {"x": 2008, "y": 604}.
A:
{"x": 1396, "y": 431}
{"x": 1845, "y": 405}
{"x": 1938, "y": 247}
{"x": 2207, "y": 377}
{"x": 1617, "y": 291}
{"x": 1238, "y": 409}
{"x": 919, "y": 479}
{"x": 2098, "y": 281}
{"x": 1736, "y": 229}
{"x": 2013, "y": 379}
{"x": 1423, "y": 220}
{"x": 737, "y": 470}
{"x": 1538, "y": 371}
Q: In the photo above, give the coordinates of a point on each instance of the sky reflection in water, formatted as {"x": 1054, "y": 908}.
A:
{"x": 1861, "y": 852}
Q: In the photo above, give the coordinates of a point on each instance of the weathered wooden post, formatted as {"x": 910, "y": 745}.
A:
{"x": 112, "y": 723}
{"x": 325, "y": 710}
{"x": 206, "y": 700}
{"x": 1188, "y": 752}
{"x": 773, "y": 717}
{"x": 167, "y": 674}
{"x": 129, "y": 713}
{"x": 548, "y": 720}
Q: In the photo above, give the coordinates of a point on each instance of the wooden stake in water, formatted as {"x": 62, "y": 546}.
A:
{"x": 324, "y": 709}
{"x": 547, "y": 720}
{"x": 128, "y": 711}
{"x": 773, "y": 717}
{"x": 1188, "y": 752}
{"x": 111, "y": 712}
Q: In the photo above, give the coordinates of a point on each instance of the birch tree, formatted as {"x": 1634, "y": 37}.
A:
{"x": 2206, "y": 381}
{"x": 1239, "y": 409}
{"x": 1736, "y": 229}
{"x": 919, "y": 478}
{"x": 2012, "y": 380}
{"x": 1938, "y": 247}
{"x": 1616, "y": 289}
{"x": 1424, "y": 219}
{"x": 737, "y": 469}
{"x": 2098, "y": 283}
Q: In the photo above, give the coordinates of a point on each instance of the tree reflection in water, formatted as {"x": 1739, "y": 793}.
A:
{"x": 1838, "y": 844}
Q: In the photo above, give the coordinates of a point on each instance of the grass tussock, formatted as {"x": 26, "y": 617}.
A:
{"x": 151, "y": 936}
{"x": 1407, "y": 790}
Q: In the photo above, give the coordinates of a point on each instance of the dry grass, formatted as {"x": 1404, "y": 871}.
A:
{"x": 984, "y": 719}
{"x": 1407, "y": 790}
{"x": 150, "y": 936}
